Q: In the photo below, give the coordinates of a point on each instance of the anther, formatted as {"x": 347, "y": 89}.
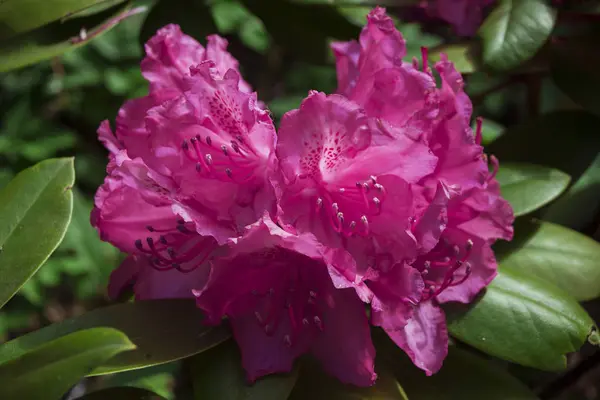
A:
{"x": 228, "y": 172}
{"x": 224, "y": 149}
{"x": 258, "y": 317}
{"x": 358, "y": 185}
{"x": 335, "y": 207}
{"x": 162, "y": 239}
{"x": 469, "y": 245}
{"x": 378, "y": 187}
{"x": 342, "y": 190}
{"x": 287, "y": 340}
{"x": 208, "y": 141}
{"x": 138, "y": 244}
{"x": 340, "y": 216}
{"x": 150, "y": 228}
{"x": 318, "y": 323}
{"x": 171, "y": 252}
{"x": 208, "y": 159}
{"x": 198, "y": 167}
{"x": 376, "y": 201}
{"x": 373, "y": 179}
{"x": 319, "y": 202}
{"x": 352, "y": 224}
{"x": 150, "y": 241}
{"x": 305, "y": 321}
{"x": 185, "y": 145}
{"x": 235, "y": 147}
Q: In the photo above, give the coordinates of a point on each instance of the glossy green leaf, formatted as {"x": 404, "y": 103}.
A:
{"x": 122, "y": 393}
{"x": 314, "y": 384}
{"x": 528, "y": 187}
{"x": 463, "y": 376}
{"x": 218, "y": 373}
{"x": 459, "y": 54}
{"x": 48, "y": 371}
{"x": 580, "y": 203}
{"x": 522, "y": 319}
{"x": 162, "y": 330}
{"x": 559, "y": 255}
{"x": 18, "y": 16}
{"x": 57, "y": 38}
{"x": 35, "y": 210}
{"x": 193, "y": 16}
{"x": 574, "y": 65}
{"x": 514, "y": 31}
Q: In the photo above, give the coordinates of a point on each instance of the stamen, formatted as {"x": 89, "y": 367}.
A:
{"x": 424, "y": 61}
{"x": 318, "y": 322}
{"x": 208, "y": 141}
{"x": 478, "y": 131}
{"x": 495, "y": 167}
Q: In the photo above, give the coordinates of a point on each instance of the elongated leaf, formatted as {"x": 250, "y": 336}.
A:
{"x": 574, "y": 67}
{"x": 314, "y": 384}
{"x": 514, "y": 31}
{"x": 50, "y": 370}
{"x": 122, "y": 393}
{"x": 463, "y": 376}
{"x": 18, "y": 16}
{"x": 218, "y": 373}
{"x": 162, "y": 330}
{"x": 528, "y": 187}
{"x": 35, "y": 209}
{"x": 524, "y": 320}
{"x": 57, "y": 38}
{"x": 561, "y": 256}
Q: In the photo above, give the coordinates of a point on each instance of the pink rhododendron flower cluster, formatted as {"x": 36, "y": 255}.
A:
{"x": 376, "y": 196}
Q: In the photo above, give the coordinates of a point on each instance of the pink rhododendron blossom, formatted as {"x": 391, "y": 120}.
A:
{"x": 189, "y": 167}
{"x": 275, "y": 288}
{"x": 457, "y": 211}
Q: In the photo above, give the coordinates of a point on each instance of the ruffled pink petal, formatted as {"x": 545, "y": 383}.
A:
{"x": 169, "y": 56}
{"x": 344, "y": 347}
{"x": 493, "y": 216}
{"x": 395, "y": 293}
{"x": 108, "y": 139}
{"x": 121, "y": 215}
{"x": 424, "y": 338}
{"x": 346, "y": 64}
{"x": 431, "y": 224}
{"x": 483, "y": 269}
{"x": 216, "y": 51}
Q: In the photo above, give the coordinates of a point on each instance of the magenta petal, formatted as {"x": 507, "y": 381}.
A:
{"x": 425, "y": 337}
{"x": 344, "y": 347}
{"x": 432, "y": 223}
{"x": 395, "y": 292}
{"x": 346, "y": 64}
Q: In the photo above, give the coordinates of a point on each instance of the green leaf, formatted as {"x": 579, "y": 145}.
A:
{"x": 162, "y": 330}
{"x": 218, "y": 373}
{"x": 193, "y": 16}
{"x": 35, "y": 210}
{"x": 464, "y": 376}
{"x": 524, "y": 320}
{"x": 574, "y": 64}
{"x": 18, "y": 16}
{"x": 121, "y": 393}
{"x": 315, "y": 384}
{"x": 57, "y": 38}
{"x": 48, "y": 371}
{"x": 459, "y": 54}
{"x": 559, "y": 255}
{"x": 514, "y": 32}
{"x": 528, "y": 187}
{"x": 581, "y": 203}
